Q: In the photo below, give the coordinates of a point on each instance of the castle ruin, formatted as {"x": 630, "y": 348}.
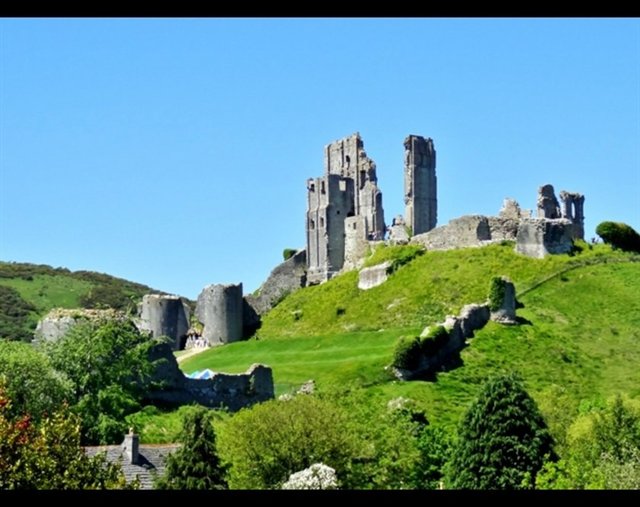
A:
{"x": 420, "y": 185}
{"x": 165, "y": 315}
{"x": 344, "y": 207}
{"x": 348, "y": 189}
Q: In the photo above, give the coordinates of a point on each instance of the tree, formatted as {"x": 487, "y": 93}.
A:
{"x": 317, "y": 476}
{"x": 268, "y": 442}
{"x": 48, "y": 455}
{"x": 108, "y": 364}
{"x": 14, "y": 315}
{"x": 603, "y": 452}
{"x": 503, "y": 440}
{"x": 31, "y": 382}
{"x": 619, "y": 235}
{"x": 196, "y": 464}
{"x": 434, "y": 444}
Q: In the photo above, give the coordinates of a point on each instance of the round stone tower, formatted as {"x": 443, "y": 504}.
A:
{"x": 165, "y": 316}
{"x": 220, "y": 310}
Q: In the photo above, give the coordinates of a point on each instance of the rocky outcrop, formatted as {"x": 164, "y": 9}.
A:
{"x": 164, "y": 315}
{"x": 373, "y": 276}
{"x": 220, "y": 310}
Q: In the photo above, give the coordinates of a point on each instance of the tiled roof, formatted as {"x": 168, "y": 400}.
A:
{"x": 151, "y": 461}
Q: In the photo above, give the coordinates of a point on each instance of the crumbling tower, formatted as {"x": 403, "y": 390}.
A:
{"x": 219, "y": 308}
{"x": 420, "y": 185}
{"x": 164, "y": 315}
{"x": 347, "y": 189}
{"x": 573, "y": 209}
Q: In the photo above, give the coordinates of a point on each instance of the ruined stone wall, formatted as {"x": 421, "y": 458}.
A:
{"x": 285, "y": 278}
{"x": 470, "y": 230}
{"x": 330, "y": 201}
{"x": 573, "y": 209}
{"x": 163, "y": 315}
{"x": 420, "y": 184}
{"x": 231, "y": 391}
{"x": 373, "y": 276}
{"x": 538, "y": 237}
{"x": 548, "y": 206}
{"x": 59, "y": 321}
{"x": 222, "y": 390}
{"x": 52, "y": 328}
{"x": 220, "y": 309}
{"x": 356, "y": 245}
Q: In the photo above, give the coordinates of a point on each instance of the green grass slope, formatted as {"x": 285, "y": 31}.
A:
{"x": 418, "y": 293}
{"x": 582, "y": 339}
{"x": 29, "y": 291}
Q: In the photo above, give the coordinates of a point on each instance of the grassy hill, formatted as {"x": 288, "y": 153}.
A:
{"x": 582, "y": 343}
{"x": 29, "y": 291}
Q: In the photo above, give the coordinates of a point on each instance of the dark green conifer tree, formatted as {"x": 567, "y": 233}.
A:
{"x": 195, "y": 465}
{"x": 503, "y": 440}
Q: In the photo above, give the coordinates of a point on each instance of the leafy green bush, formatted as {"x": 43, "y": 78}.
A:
{"x": 287, "y": 253}
{"x": 496, "y": 293}
{"x": 48, "y": 455}
{"x": 14, "y": 315}
{"x": 407, "y": 353}
{"x": 619, "y": 235}
{"x": 434, "y": 341}
{"x": 108, "y": 365}
{"x": 398, "y": 255}
{"x": 268, "y": 442}
{"x": 31, "y": 382}
{"x": 603, "y": 451}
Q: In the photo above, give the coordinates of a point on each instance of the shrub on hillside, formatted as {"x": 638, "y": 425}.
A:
{"x": 619, "y": 235}
{"x": 496, "y": 293}
{"x": 287, "y": 253}
{"x": 406, "y": 355}
{"x": 267, "y": 443}
{"x": 434, "y": 340}
{"x": 30, "y": 380}
{"x": 14, "y": 315}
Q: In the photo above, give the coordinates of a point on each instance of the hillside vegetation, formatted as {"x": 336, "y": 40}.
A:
{"x": 578, "y": 345}
{"x": 29, "y": 291}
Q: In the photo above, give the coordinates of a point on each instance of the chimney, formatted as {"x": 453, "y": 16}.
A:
{"x": 130, "y": 447}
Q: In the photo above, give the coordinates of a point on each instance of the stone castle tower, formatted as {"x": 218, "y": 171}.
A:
{"x": 347, "y": 189}
{"x": 420, "y": 185}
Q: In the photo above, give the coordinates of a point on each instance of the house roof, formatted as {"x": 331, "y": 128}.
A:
{"x": 151, "y": 461}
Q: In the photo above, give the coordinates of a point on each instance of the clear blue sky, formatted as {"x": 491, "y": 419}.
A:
{"x": 174, "y": 152}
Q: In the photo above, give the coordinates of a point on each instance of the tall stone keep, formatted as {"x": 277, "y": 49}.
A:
{"x": 348, "y": 189}
{"x": 420, "y": 185}
{"x": 219, "y": 309}
{"x": 165, "y": 316}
